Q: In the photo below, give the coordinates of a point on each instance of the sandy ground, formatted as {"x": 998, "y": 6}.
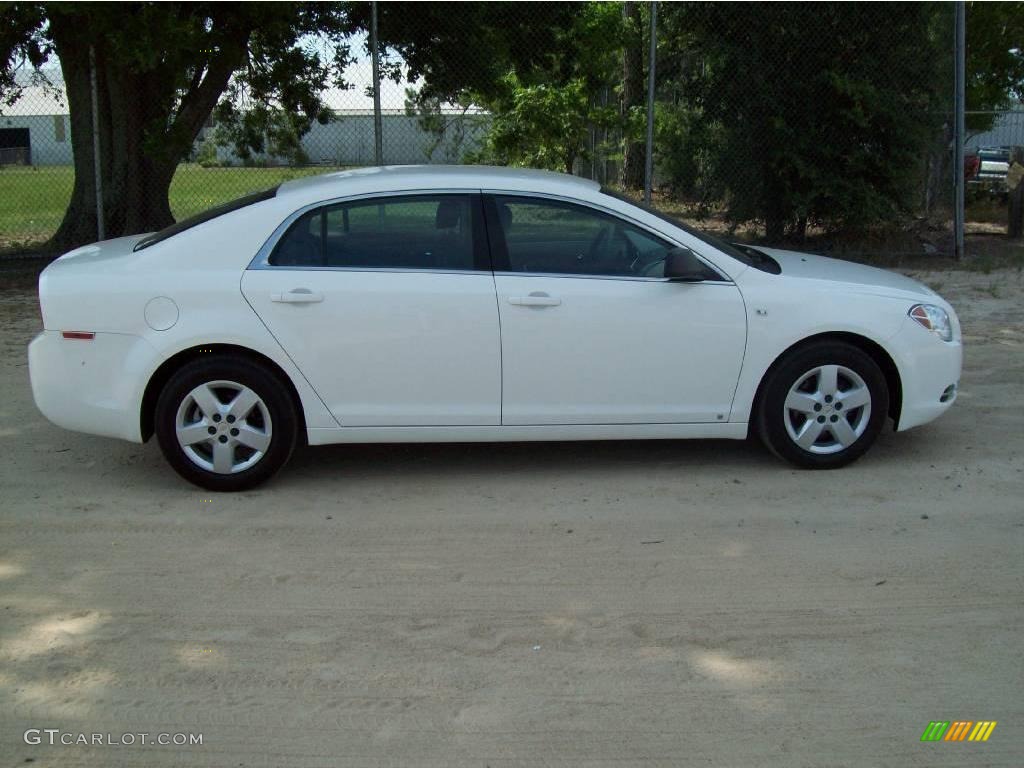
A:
{"x": 662, "y": 603}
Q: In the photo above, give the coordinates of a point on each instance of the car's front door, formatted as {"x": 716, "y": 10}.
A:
{"x": 592, "y": 333}
{"x": 387, "y": 307}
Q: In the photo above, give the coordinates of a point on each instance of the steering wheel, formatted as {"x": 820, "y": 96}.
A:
{"x": 652, "y": 266}
{"x": 624, "y": 261}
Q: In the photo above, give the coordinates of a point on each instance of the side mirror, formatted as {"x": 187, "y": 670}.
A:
{"x": 683, "y": 266}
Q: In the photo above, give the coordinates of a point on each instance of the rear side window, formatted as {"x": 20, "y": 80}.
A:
{"x": 432, "y": 232}
{"x": 207, "y": 215}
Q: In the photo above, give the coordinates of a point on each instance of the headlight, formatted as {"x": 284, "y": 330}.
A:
{"x": 935, "y": 319}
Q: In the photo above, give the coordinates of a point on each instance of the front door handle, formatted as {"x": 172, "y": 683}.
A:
{"x": 535, "y": 299}
{"x": 298, "y": 296}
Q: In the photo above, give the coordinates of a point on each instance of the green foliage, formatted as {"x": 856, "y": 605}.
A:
{"x": 995, "y": 59}
{"x": 456, "y": 131}
{"x": 264, "y": 132}
{"x": 272, "y": 102}
{"x": 791, "y": 114}
{"x": 20, "y": 45}
{"x": 820, "y": 113}
{"x": 547, "y": 78}
{"x": 161, "y": 69}
{"x": 542, "y": 126}
{"x": 207, "y": 154}
{"x": 685, "y": 145}
{"x": 466, "y": 49}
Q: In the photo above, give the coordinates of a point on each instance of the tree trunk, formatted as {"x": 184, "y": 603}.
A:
{"x": 140, "y": 145}
{"x": 632, "y": 94}
{"x": 135, "y": 183}
{"x": 79, "y": 224}
{"x": 775, "y": 217}
{"x": 801, "y": 230}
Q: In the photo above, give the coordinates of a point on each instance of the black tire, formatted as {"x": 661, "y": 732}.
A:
{"x": 772, "y": 414}
{"x": 277, "y": 404}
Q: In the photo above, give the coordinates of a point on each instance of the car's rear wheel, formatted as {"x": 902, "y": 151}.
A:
{"x": 226, "y": 423}
{"x": 823, "y": 405}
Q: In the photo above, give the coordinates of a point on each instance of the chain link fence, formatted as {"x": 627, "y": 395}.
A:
{"x": 828, "y": 126}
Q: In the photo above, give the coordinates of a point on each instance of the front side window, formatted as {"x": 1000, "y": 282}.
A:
{"x": 554, "y": 237}
{"x": 742, "y": 253}
{"x": 433, "y": 232}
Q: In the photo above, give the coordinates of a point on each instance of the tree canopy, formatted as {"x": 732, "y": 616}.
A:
{"x": 790, "y": 114}
{"x": 995, "y": 59}
{"x": 161, "y": 68}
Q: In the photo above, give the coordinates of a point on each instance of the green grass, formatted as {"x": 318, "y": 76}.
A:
{"x": 33, "y": 199}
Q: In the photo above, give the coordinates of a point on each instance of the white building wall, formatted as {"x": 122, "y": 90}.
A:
{"x": 1007, "y": 131}
{"x": 47, "y": 146}
{"x": 347, "y": 141}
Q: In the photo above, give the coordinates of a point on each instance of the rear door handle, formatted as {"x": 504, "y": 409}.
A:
{"x": 298, "y": 296}
{"x": 536, "y": 299}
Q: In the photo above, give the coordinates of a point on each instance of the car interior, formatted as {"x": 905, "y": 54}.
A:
{"x": 437, "y": 233}
{"x": 545, "y": 236}
{"x": 398, "y": 234}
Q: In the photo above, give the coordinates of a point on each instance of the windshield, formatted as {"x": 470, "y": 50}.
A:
{"x": 742, "y": 254}
{"x": 207, "y": 215}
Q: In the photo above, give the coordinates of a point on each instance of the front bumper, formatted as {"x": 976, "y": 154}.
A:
{"x": 92, "y": 386}
{"x": 929, "y": 373}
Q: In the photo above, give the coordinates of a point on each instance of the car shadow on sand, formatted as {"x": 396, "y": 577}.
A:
{"x": 711, "y": 457}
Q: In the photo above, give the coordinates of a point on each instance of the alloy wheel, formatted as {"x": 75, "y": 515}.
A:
{"x": 827, "y": 409}
{"x": 223, "y": 427}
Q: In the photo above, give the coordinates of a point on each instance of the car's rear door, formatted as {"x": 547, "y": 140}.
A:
{"x": 387, "y": 306}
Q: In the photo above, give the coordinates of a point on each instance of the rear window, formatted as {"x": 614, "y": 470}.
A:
{"x": 207, "y": 215}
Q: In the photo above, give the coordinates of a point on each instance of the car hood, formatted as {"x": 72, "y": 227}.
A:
{"x": 847, "y": 274}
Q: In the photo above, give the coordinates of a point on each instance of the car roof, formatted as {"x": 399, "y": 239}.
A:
{"x": 420, "y": 177}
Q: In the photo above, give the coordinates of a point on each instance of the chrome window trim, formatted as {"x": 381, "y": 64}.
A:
{"x": 621, "y": 278}
{"x": 400, "y": 270}
{"x": 262, "y": 258}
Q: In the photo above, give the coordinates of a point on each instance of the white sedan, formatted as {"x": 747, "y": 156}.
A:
{"x": 423, "y": 304}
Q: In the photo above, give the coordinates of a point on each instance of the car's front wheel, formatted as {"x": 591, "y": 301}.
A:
{"x": 823, "y": 405}
{"x": 225, "y": 423}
